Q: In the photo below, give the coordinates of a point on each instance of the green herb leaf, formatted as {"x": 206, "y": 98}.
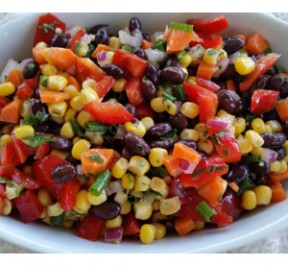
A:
{"x": 20, "y": 188}
{"x": 46, "y": 27}
{"x": 160, "y": 44}
{"x": 57, "y": 220}
{"x": 251, "y": 159}
{"x": 78, "y": 47}
{"x": 95, "y": 157}
{"x": 168, "y": 96}
{"x": 4, "y": 180}
{"x": 179, "y": 93}
{"x": 96, "y": 126}
{"x": 38, "y": 139}
{"x": 39, "y": 118}
{"x": 198, "y": 172}
{"x": 246, "y": 184}
{"x": 205, "y": 211}
{"x": 76, "y": 127}
{"x": 216, "y": 140}
{"x": 172, "y": 135}
{"x": 226, "y": 152}
{"x": 100, "y": 183}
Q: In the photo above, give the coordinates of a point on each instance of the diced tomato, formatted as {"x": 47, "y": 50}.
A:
{"x": 86, "y": 68}
{"x": 24, "y": 91}
{"x": 144, "y": 110}
{"x": 211, "y": 26}
{"x": 133, "y": 91}
{"x": 231, "y": 204}
{"x": 207, "y": 84}
{"x": 28, "y": 206}
{"x": 8, "y": 158}
{"x": 68, "y": 194}
{"x": 263, "y": 101}
{"x": 3, "y": 102}
{"x": 90, "y": 228}
{"x": 22, "y": 150}
{"x": 109, "y": 112}
{"x": 131, "y": 62}
{"x": 104, "y": 85}
{"x": 2, "y": 191}
{"x": 221, "y": 218}
{"x": 42, "y": 150}
{"x": 76, "y": 39}
{"x": 208, "y": 41}
{"x": 131, "y": 226}
{"x": 33, "y": 83}
{"x": 44, "y": 33}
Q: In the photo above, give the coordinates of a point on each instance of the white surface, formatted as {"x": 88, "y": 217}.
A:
{"x": 263, "y": 223}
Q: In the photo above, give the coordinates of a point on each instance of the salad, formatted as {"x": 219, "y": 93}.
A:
{"x": 141, "y": 135}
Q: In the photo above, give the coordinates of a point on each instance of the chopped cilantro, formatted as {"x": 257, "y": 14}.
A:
{"x": 37, "y": 140}
{"x": 226, "y": 152}
{"x": 46, "y": 27}
{"x": 95, "y": 157}
{"x": 216, "y": 140}
{"x": 198, "y": 172}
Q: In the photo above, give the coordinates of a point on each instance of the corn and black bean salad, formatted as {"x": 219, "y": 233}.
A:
{"x": 142, "y": 135}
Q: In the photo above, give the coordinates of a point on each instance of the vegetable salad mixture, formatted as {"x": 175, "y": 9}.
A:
{"x": 128, "y": 134}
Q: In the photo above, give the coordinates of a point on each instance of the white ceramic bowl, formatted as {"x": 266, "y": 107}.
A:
{"x": 16, "y": 42}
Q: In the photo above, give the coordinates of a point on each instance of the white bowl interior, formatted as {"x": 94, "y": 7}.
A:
{"x": 16, "y": 42}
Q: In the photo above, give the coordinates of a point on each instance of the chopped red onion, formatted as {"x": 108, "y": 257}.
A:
{"x": 103, "y": 59}
{"x": 187, "y": 167}
{"x": 234, "y": 56}
{"x": 219, "y": 123}
{"x": 157, "y": 35}
{"x": 86, "y": 38}
{"x": 269, "y": 155}
{"x": 126, "y": 38}
{"x": 11, "y": 64}
{"x": 221, "y": 67}
{"x": 113, "y": 234}
{"x": 155, "y": 56}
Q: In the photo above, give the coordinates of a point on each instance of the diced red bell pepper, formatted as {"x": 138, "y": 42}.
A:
{"x": 131, "y": 226}
{"x": 28, "y": 206}
{"x": 263, "y": 101}
{"x": 110, "y": 112}
{"x": 211, "y": 26}
{"x": 22, "y": 150}
{"x": 68, "y": 194}
{"x": 3, "y": 102}
{"x": 2, "y": 191}
{"x": 208, "y": 41}
{"x": 131, "y": 62}
{"x": 221, "y": 218}
{"x": 207, "y": 84}
{"x": 42, "y": 150}
{"x": 33, "y": 83}
{"x": 104, "y": 85}
{"x": 231, "y": 204}
{"x": 24, "y": 91}
{"x": 86, "y": 68}
{"x": 46, "y": 26}
{"x": 133, "y": 91}
{"x": 8, "y": 158}
{"x": 75, "y": 39}
{"x": 144, "y": 110}
{"x": 90, "y": 228}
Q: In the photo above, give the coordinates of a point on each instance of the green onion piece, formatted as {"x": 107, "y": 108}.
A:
{"x": 43, "y": 81}
{"x": 159, "y": 172}
{"x": 182, "y": 26}
{"x": 168, "y": 96}
{"x": 172, "y": 135}
{"x": 37, "y": 140}
{"x": 20, "y": 188}
{"x": 126, "y": 48}
{"x": 57, "y": 220}
{"x": 160, "y": 44}
{"x": 179, "y": 93}
{"x": 100, "y": 183}
{"x": 76, "y": 127}
{"x": 113, "y": 129}
{"x": 95, "y": 157}
{"x": 205, "y": 210}
{"x": 97, "y": 127}
{"x": 246, "y": 184}
{"x": 251, "y": 159}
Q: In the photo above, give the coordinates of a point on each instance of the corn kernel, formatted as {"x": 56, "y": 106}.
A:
{"x": 202, "y": 131}
{"x": 67, "y": 131}
{"x": 147, "y": 233}
{"x": 7, "y": 207}
{"x": 210, "y": 56}
{"x": 5, "y": 139}
{"x": 254, "y": 138}
{"x": 222, "y": 54}
{"x": 285, "y": 145}
{"x": 244, "y": 65}
{"x": 82, "y": 201}
{"x": 170, "y": 206}
{"x": 7, "y": 88}
{"x": 160, "y": 230}
{"x": 239, "y": 125}
{"x": 157, "y": 184}
{"x": 283, "y": 167}
{"x": 82, "y": 49}
{"x": 96, "y": 200}
{"x": 114, "y": 43}
{"x": 263, "y": 194}
{"x": 274, "y": 125}
{"x": 41, "y": 44}
{"x": 249, "y": 200}
{"x": 199, "y": 225}
{"x": 258, "y": 125}
{"x": 156, "y": 205}
{"x": 71, "y": 90}
{"x": 156, "y": 156}
{"x": 186, "y": 59}
{"x": 79, "y": 147}
{"x": 120, "y": 167}
{"x": 143, "y": 210}
{"x": 138, "y": 165}
{"x": 25, "y": 109}
{"x": 275, "y": 167}
{"x": 84, "y": 117}
{"x": 137, "y": 128}
{"x": 257, "y": 151}
{"x": 148, "y": 122}
{"x": 189, "y": 134}
{"x": 244, "y": 145}
{"x": 206, "y": 146}
{"x": 114, "y": 223}
{"x": 94, "y": 138}
{"x": 157, "y": 104}
{"x": 76, "y": 103}
{"x": 58, "y": 120}
{"x": 128, "y": 181}
{"x": 54, "y": 210}
{"x": 60, "y": 154}
{"x": 189, "y": 109}
{"x": 88, "y": 95}
{"x": 142, "y": 183}
{"x": 23, "y": 132}
{"x": 48, "y": 70}
{"x": 170, "y": 107}
{"x": 125, "y": 208}
{"x": 56, "y": 82}
{"x": 58, "y": 109}
{"x": 119, "y": 85}
{"x": 70, "y": 113}
{"x": 44, "y": 197}
{"x": 89, "y": 83}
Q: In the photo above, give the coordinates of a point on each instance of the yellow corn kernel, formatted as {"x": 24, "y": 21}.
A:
{"x": 54, "y": 210}
{"x": 142, "y": 183}
{"x": 76, "y": 103}
{"x": 56, "y": 82}
{"x": 275, "y": 167}
{"x": 23, "y": 132}
{"x": 70, "y": 113}
{"x": 97, "y": 200}
{"x": 128, "y": 181}
{"x": 239, "y": 125}
{"x": 48, "y": 70}
{"x": 268, "y": 129}
{"x": 89, "y": 83}
{"x": 283, "y": 166}
{"x": 156, "y": 205}
{"x": 75, "y": 139}
{"x": 121, "y": 197}
{"x": 199, "y": 225}
{"x": 84, "y": 117}
{"x": 160, "y": 230}
{"x": 274, "y": 125}
{"x": 5, "y": 139}
{"x": 88, "y": 95}
{"x": 60, "y": 154}
{"x": 148, "y": 122}
{"x": 147, "y": 233}
{"x": 285, "y": 145}
{"x": 82, "y": 202}
{"x": 210, "y": 56}
{"x": 138, "y": 165}
{"x": 157, "y": 184}
{"x": 156, "y": 156}
{"x": 158, "y": 217}
{"x": 126, "y": 207}
{"x": 222, "y": 54}
{"x": 258, "y": 125}
{"x": 67, "y": 131}
{"x": 79, "y": 147}
{"x": 249, "y": 200}
{"x": 244, "y": 145}
{"x": 82, "y": 49}
{"x": 206, "y": 146}
{"x": 189, "y": 109}
{"x": 94, "y": 138}
{"x": 71, "y": 90}
{"x": 11, "y": 191}
{"x": 254, "y": 138}
{"x": 7, "y": 88}
{"x": 58, "y": 109}
{"x": 202, "y": 131}
{"x": 114, "y": 223}
{"x": 189, "y": 134}
{"x": 186, "y": 60}
{"x": 143, "y": 210}
{"x": 58, "y": 120}
{"x": 257, "y": 151}
{"x": 7, "y": 207}
{"x": 170, "y": 107}
{"x": 170, "y": 206}
{"x": 44, "y": 197}
{"x": 25, "y": 109}
{"x": 120, "y": 167}
{"x": 244, "y": 65}
{"x": 114, "y": 43}
{"x": 41, "y": 44}
{"x": 119, "y": 85}
{"x": 157, "y": 104}
{"x": 137, "y": 128}
{"x": 263, "y": 194}
{"x": 67, "y": 224}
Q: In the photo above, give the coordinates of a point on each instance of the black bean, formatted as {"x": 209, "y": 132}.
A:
{"x": 136, "y": 145}
{"x": 131, "y": 108}
{"x": 102, "y": 36}
{"x": 159, "y": 130}
{"x": 60, "y": 143}
{"x": 262, "y": 83}
{"x": 237, "y": 173}
{"x": 261, "y": 168}
{"x": 114, "y": 71}
{"x": 108, "y": 210}
{"x": 135, "y": 24}
{"x": 59, "y": 40}
{"x": 178, "y": 121}
{"x": 146, "y": 36}
{"x": 126, "y": 153}
{"x": 63, "y": 173}
{"x": 172, "y": 74}
{"x": 171, "y": 61}
{"x": 164, "y": 144}
{"x": 276, "y": 82}
{"x": 30, "y": 70}
{"x": 36, "y": 106}
{"x": 148, "y": 89}
{"x": 284, "y": 90}
{"x": 190, "y": 143}
{"x": 232, "y": 44}
{"x": 151, "y": 73}
{"x": 229, "y": 73}
{"x": 270, "y": 115}
{"x": 139, "y": 52}
{"x": 281, "y": 153}
{"x": 259, "y": 179}
{"x": 161, "y": 117}
{"x": 285, "y": 126}
{"x": 95, "y": 28}
{"x": 36, "y": 94}
{"x": 273, "y": 140}
{"x": 230, "y": 102}
{"x": 271, "y": 71}
{"x": 72, "y": 160}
